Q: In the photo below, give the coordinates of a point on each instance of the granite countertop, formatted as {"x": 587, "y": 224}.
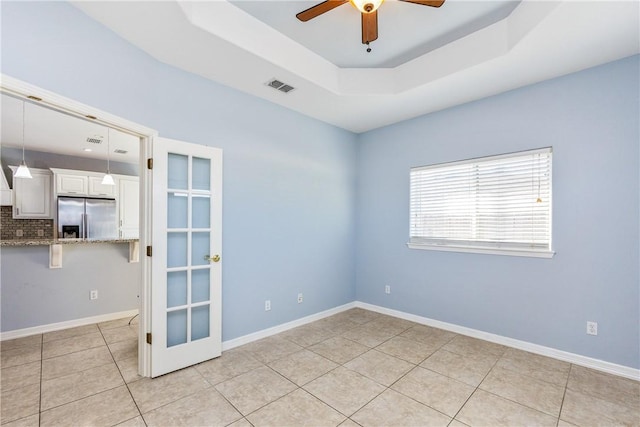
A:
{"x": 45, "y": 242}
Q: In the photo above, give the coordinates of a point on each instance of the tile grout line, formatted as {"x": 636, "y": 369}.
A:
{"x": 369, "y": 349}
{"x": 478, "y": 387}
{"x": 331, "y": 370}
{"x": 213, "y": 386}
{"x": 564, "y": 394}
{"x": 511, "y": 400}
{"x": 122, "y": 376}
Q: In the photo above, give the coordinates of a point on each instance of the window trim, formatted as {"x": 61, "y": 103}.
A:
{"x": 480, "y": 250}
{"x": 493, "y": 249}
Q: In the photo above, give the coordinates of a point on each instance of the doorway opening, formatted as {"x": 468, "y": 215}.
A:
{"x": 43, "y": 105}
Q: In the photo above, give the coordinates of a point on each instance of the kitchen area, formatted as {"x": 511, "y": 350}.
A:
{"x": 69, "y": 220}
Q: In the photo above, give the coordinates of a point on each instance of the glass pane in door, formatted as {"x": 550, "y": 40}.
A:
{"x": 200, "y": 280}
{"x": 177, "y": 210}
{"x": 201, "y": 211}
{"x": 176, "y": 327}
{"x": 178, "y": 172}
{"x": 201, "y": 174}
{"x": 200, "y": 248}
{"x": 199, "y": 322}
{"x": 176, "y": 288}
{"x": 176, "y": 250}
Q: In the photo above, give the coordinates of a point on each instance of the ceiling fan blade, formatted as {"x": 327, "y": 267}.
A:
{"x": 432, "y": 3}
{"x": 319, "y": 9}
{"x": 369, "y": 27}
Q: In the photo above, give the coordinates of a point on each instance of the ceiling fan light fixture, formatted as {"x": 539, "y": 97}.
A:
{"x": 366, "y": 6}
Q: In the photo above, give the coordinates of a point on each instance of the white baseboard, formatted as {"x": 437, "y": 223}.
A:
{"x": 588, "y": 362}
{"x": 255, "y": 336}
{"x": 19, "y": 333}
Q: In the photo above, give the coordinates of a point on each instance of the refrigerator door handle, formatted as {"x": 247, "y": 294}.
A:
{"x": 86, "y": 226}
{"x": 83, "y": 226}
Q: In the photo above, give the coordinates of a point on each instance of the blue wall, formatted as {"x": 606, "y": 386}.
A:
{"x": 289, "y": 181}
{"x": 591, "y": 119}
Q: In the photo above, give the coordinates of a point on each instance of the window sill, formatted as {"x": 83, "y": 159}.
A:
{"x": 487, "y": 251}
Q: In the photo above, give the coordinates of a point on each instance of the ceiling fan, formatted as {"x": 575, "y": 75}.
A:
{"x": 369, "y": 10}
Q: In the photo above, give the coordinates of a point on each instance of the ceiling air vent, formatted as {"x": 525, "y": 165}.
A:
{"x": 282, "y": 87}
{"x": 96, "y": 139}
{"x": 120, "y": 151}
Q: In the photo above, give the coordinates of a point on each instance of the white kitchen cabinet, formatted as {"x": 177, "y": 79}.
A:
{"x": 6, "y": 195}
{"x": 96, "y": 188}
{"x": 32, "y": 197}
{"x": 71, "y": 184}
{"x": 129, "y": 206}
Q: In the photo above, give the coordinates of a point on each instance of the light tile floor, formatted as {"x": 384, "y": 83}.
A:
{"x": 354, "y": 368}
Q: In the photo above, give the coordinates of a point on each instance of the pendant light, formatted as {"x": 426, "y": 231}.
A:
{"x": 108, "y": 179}
{"x": 23, "y": 170}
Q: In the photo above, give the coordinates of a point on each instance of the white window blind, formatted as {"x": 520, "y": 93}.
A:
{"x": 492, "y": 204}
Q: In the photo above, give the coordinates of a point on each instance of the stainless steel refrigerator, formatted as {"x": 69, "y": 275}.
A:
{"x": 87, "y": 218}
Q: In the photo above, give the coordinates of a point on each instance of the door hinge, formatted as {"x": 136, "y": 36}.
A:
{"x": 149, "y": 251}
{"x": 149, "y": 163}
{"x": 148, "y": 337}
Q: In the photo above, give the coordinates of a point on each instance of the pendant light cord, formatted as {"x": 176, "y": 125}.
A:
{"x": 23, "y": 126}
{"x": 108, "y": 152}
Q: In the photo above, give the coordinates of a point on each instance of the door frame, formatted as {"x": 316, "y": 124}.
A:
{"x": 54, "y": 101}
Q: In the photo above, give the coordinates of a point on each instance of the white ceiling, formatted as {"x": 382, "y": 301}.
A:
{"x": 50, "y": 131}
{"x": 536, "y": 41}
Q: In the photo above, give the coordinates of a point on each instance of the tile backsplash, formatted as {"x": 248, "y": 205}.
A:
{"x": 23, "y": 229}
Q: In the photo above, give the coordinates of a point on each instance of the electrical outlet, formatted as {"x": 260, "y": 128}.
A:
{"x": 299, "y": 298}
{"x": 267, "y": 305}
{"x": 387, "y": 289}
{"x": 592, "y": 328}
{"x": 19, "y": 233}
{"x": 40, "y": 233}
{"x": 94, "y": 294}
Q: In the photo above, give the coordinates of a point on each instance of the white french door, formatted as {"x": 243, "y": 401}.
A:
{"x": 186, "y": 266}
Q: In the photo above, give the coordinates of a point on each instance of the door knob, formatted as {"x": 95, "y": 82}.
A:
{"x": 215, "y": 258}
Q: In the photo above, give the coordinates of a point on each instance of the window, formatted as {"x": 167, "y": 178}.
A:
{"x": 499, "y": 204}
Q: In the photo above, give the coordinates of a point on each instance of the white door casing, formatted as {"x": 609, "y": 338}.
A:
{"x": 186, "y": 266}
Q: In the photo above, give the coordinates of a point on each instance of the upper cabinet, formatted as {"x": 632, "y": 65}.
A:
{"x": 82, "y": 183}
{"x": 96, "y": 188}
{"x": 72, "y": 184}
{"x": 32, "y": 196}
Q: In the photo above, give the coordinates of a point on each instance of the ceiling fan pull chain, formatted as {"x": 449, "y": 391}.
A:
{"x": 368, "y": 48}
